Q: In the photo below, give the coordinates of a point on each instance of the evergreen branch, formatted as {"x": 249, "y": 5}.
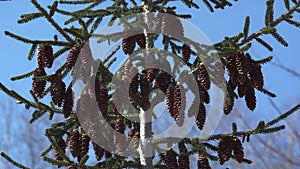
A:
{"x": 26, "y": 75}
{"x": 36, "y": 115}
{"x": 50, "y": 19}
{"x": 208, "y": 5}
{"x": 264, "y": 43}
{"x": 46, "y": 151}
{"x": 269, "y": 17}
{"x": 264, "y": 60}
{"x": 287, "y": 4}
{"x": 292, "y": 22}
{"x": 272, "y": 25}
{"x": 267, "y": 92}
{"x": 32, "y": 51}
{"x": 283, "y": 116}
{"x": 56, "y": 162}
{"x": 246, "y": 27}
{"x": 9, "y": 159}
{"x": 29, "y": 17}
{"x": 76, "y": 2}
{"x": 279, "y": 39}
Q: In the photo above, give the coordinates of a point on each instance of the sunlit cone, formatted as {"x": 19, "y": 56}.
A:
{"x": 151, "y": 74}
{"x": 256, "y": 76}
{"x": 99, "y": 151}
{"x": 203, "y": 163}
{"x": 250, "y": 97}
{"x": 186, "y": 52}
{"x": 241, "y": 68}
{"x": 141, "y": 40}
{"x": 74, "y": 143}
{"x": 238, "y": 150}
{"x": 38, "y": 86}
{"x": 128, "y": 42}
{"x": 171, "y": 159}
{"x": 201, "y": 117}
{"x": 48, "y": 56}
{"x": 225, "y": 147}
{"x": 72, "y": 56}
{"x": 68, "y": 102}
{"x": 57, "y": 89}
{"x": 203, "y": 77}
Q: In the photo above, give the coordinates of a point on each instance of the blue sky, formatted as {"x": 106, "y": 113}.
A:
{"x": 216, "y": 25}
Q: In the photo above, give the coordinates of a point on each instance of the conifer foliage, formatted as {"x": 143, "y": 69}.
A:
{"x": 242, "y": 73}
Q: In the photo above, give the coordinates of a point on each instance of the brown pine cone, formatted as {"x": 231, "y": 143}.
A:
{"x": 250, "y": 97}
{"x": 238, "y": 150}
{"x": 171, "y": 159}
{"x": 204, "y": 96}
{"x": 101, "y": 94}
{"x": 170, "y": 98}
{"x": 38, "y": 86}
{"x": 62, "y": 145}
{"x": 201, "y": 116}
{"x": 172, "y": 26}
{"x": 186, "y": 52}
{"x": 162, "y": 81}
{"x": 128, "y": 43}
{"x": 178, "y": 110}
{"x": 141, "y": 40}
{"x": 85, "y": 141}
{"x": 203, "y": 162}
{"x": 99, "y": 151}
{"x": 231, "y": 65}
{"x": 228, "y": 102}
{"x": 183, "y": 158}
{"x": 119, "y": 143}
{"x": 256, "y": 76}
{"x": 204, "y": 80}
{"x": 136, "y": 137}
{"x": 225, "y": 147}
{"x": 151, "y": 74}
{"x": 48, "y": 56}
{"x": 134, "y": 85}
{"x": 72, "y": 56}
{"x": 57, "y": 89}
{"x": 86, "y": 59}
{"x": 68, "y": 102}
{"x": 39, "y": 57}
{"x": 241, "y": 68}
{"x": 74, "y": 143}
{"x": 145, "y": 89}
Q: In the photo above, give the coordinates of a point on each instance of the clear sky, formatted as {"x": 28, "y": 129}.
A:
{"x": 216, "y": 25}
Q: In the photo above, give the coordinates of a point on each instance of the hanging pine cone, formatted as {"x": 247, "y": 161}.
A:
{"x": 183, "y": 158}
{"x": 48, "y": 56}
{"x": 257, "y": 76}
{"x": 241, "y": 90}
{"x": 128, "y": 42}
{"x": 86, "y": 58}
{"x": 107, "y": 154}
{"x": 101, "y": 94}
{"x": 145, "y": 91}
{"x": 228, "y": 102}
{"x": 201, "y": 116}
{"x": 68, "y": 102}
{"x": 241, "y": 68}
{"x": 231, "y": 66}
{"x": 39, "y": 58}
{"x": 72, "y": 56}
{"x": 74, "y": 143}
{"x": 158, "y": 22}
{"x": 186, "y": 52}
{"x": 170, "y": 159}
{"x": 38, "y": 86}
{"x": 85, "y": 140}
{"x": 250, "y": 97}
{"x": 141, "y": 40}
{"x": 178, "y": 111}
{"x": 136, "y": 138}
{"x": 203, "y": 162}
{"x": 119, "y": 142}
{"x": 62, "y": 145}
{"x": 170, "y": 98}
{"x": 134, "y": 86}
{"x": 151, "y": 74}
{"x": 57, "y": 89}
{"x": 72, "y": 167}
{"x": 204, "y": 80}
{"x": 99, "y": 151}
{"x": 162, "y": 81}
{"x": 238, "y": 150}
{"x": 204, "y": 96}
{"x": 225, "y": 147}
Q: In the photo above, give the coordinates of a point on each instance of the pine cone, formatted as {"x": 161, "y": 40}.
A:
{"x": 241, "y": 68}
{"x": 57, "y": 89}
{"x": 74, "y": 143}
{"x": 151, "y": 74}
{"x": 86, "y": 59}
{"x": 136, "y": 137}
{"x": 158, "y": 22}
{"x": 128, "y": 43}
{"x": 119, "y": 143}
{"x": 85, "y": 140}
{"x": 204, "y": 80}
{"x": 250, "y": 97}
{"x": 101, "y": 94}
{"x": 183, "y": 159}
{"x": 226, "y": 145}
{"x": 162, "y": 81}
{"x": 204, "y": 96}
{"x": 186, "y": 52}
{"x": 72, "y": 56}
{"x": 170, "y": 159}
{"x": 231, "y": 66}
{"x": 68, "y": 102}
{"x": 141, "y": 40}
{"x": 256, "y": 76}
{"x": 134, "y": 86}
{"x": 201, "y": 116}
{"x": 145, "y": 89}
{"x": 172, "y": 26}
{"x": 203, "y": 162}
{"x": 38, "y": 86}
{"x": 39, "y": 58}
{"x": 170, "y": 98}
{"x": 48, "y": 56}
{"x": 228, "y": 101}
{"x": 241, "y": 90}
{"x": 238, "y": 150}
{"x": 178, "y": 109}
{"x": 62, "y": 145}
{"x": 99, "y": 151}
